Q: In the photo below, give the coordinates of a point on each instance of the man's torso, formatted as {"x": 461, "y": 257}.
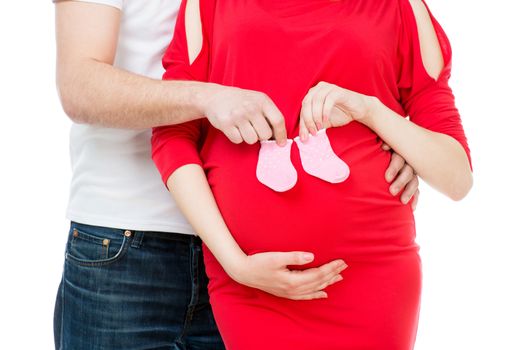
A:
{"x": 114, "y": 182}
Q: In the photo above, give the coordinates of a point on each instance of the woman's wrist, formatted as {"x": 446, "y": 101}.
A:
{"x": 234, "y": 263}
{"x": 372, "y": 108}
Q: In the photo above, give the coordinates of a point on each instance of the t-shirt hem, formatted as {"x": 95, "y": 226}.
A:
{"x": 95, "y": 220}
{"x": 113, "y": 3}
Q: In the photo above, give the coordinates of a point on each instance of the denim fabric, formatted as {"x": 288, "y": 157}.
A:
{"x": 133, "y": 290}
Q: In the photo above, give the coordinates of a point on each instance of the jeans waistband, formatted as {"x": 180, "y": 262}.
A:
{"x": 169, "y": 236}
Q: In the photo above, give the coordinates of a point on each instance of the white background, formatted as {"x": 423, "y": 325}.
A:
{"x": 468, "y": 248}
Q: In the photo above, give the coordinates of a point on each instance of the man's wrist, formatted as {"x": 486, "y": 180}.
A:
{"x": 201, "y": 96}
{"x": 189, "y": 97}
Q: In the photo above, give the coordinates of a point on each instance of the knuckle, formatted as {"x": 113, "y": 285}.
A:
{"x": 290, "y": 286}
{"x": 287, "y": 292}
{"x": 224, "y": 123}
{"x": 263, "y": 99}
{"x": 235, "y": 114}
{"x": 276, "y": 122}
{"x": 320, "y": 274}
{"x": 251, "y": 108}
{"x": 307, "y": 101}
{"x": 237, "y": 140}
{"x": 250, "y": 140}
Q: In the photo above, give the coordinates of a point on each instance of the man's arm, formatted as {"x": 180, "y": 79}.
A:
{"x": 93, "y": 91}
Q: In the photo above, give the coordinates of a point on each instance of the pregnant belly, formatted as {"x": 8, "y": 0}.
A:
{"x": 357, "y": 217}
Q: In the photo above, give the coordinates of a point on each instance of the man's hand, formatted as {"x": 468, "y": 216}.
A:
{"x": 269, "y": 272}
{"x": 244, "y": 115}
{"x": 402, "y": 176}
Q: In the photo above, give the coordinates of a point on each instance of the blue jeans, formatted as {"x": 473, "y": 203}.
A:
{"x": 133, "y": 290}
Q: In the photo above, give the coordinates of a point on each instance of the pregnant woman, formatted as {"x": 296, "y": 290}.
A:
{"x": 353, "y": 70}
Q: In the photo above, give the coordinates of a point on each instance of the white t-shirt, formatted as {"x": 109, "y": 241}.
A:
{"x": 115, "y": 182}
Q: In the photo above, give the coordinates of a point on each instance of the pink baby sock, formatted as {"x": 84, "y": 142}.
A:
{"x": 319, "y": 160}
{"x": 275, "y": 169}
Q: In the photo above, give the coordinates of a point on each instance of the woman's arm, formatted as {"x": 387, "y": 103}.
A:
{"x": 264, "y": 271}
{"x": 437, "y": 158}
{"x": 432, "y": 141}
{"x": 175, "y": 150}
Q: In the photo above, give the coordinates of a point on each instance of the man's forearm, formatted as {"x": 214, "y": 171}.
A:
{"x": 97, "y": 93}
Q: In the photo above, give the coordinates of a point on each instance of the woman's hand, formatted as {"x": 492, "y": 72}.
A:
{"x": 270, "y": 273}
{"x": 328, "y": 105}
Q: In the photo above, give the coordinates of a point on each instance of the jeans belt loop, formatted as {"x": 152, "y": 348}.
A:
{"x": 137, "y": 239}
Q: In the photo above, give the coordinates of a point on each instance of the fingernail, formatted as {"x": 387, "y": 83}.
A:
{"x": 325, "y": 296}
{"x": 308, "y": 256}
{"x": 339, "y": 278}
{"x": 395, "y": 190}
{"x": 283, "y": 143}
{"x": 319, "y": 125}
{"x": 389, "y": 176}
{"x": 313, "y": 132}
{"x": 405, "y": 200}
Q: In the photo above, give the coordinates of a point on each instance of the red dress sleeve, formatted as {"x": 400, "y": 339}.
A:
{"x": 428, "y": 102}
{"x": 177, "y": 145}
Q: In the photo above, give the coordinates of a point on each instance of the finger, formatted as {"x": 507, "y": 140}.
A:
{"x": 338, "y": 117}
{"x": 386, "y": 147}
{"x": 233, "y": 135}
{"x": 306, "y": 113}
{"x": 404, "y": 176}
{"x": 277, "y": 121}
{"x": 284, "y": 259}
{"x": 415, "y": 200}
{"x": 410, "y": 189}
{"x": 261, "y": 127}
{"x": 318, "y": 99}
{"x": 311, "y": 279}
{"x": 303, "y": 131}
{"x": 311, "y": 296}
{"x": 396, "y": 164}
{"x": 248, "y": 133}
{"x": 329, "y": 104}
{"x": 316, "y": 281}
{"x": 332, "y": 281}
{"x": 327, "y": 121}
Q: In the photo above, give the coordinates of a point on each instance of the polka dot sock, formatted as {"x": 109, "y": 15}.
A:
{"x": 319, "y": 160}
{"x": 275, "y": 169}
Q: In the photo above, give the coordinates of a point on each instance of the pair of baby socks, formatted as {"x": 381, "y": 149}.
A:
{"x": 275, "y": 169}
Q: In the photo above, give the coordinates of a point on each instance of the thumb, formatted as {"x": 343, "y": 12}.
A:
{"x": 385, "y": 146}
{"x": 294, "y": 258}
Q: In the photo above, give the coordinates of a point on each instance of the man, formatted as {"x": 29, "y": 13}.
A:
{"x": 134, "y": 275}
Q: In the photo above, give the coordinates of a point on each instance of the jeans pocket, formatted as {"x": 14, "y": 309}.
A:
{"x": 95, "y": 246}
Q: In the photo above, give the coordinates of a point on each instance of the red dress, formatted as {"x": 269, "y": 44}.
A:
{"x": 283, "y": 48}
